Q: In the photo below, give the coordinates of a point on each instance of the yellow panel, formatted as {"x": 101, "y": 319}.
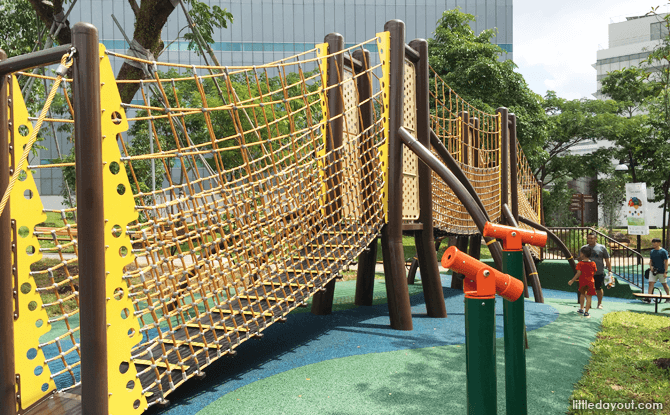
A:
{"x": 27, "y": 210}
{"x": 383, "y": 44}
{"x": 123, "y": 330}
{"x": 321, "y": 53}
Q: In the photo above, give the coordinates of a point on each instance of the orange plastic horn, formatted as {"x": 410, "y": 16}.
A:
{"x": 481, "y": 280}
{"x": 513, "y": 238}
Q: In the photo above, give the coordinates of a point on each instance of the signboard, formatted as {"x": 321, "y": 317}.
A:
{"x": 636, "y": 205}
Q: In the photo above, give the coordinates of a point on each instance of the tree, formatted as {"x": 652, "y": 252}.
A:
{"x": 20, "y": 27}
{"x": 643, "y": 95}
{"x": 571, "y": 122}
{"x": 470, "y": 64}
{"x": 150, "y": 18}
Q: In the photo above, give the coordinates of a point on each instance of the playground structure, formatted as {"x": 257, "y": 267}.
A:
{"x": 266, "y": 182}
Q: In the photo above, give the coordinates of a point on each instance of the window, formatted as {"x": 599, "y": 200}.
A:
{"x": 658, "y": 30}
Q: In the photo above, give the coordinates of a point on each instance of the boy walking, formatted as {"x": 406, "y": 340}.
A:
{"x": 586, "y": 269}
{"x": 658, "y": 264}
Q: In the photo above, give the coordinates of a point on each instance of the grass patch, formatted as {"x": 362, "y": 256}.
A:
{"x": 628, "y": 363}
{"x": 43, "y": 279}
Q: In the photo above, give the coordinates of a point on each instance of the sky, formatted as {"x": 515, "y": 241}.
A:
{"x": 555, "y": 42}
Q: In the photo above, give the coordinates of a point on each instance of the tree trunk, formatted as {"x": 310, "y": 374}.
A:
{"x": 150, "y": 19}
{"x": 45, "y": 11}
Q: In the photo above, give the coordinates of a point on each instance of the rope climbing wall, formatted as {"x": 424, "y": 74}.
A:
{"x": 474, "y": 142}
{"x": 226, "y": 207}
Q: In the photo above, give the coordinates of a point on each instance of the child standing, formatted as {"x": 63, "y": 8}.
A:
{"x": 585, "y": 271}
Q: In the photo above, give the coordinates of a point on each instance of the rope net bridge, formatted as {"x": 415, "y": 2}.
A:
{"x": 230, "y": 196}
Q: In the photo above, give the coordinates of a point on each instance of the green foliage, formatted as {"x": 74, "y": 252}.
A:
{"x": 470, "y": 64}
{"x": 628, "y": 87}
{"x": 611, "y": 196}
{"x": 206, "y": 18}
{"x": 557, "y": 204}
{"x": 20, "y": 27}
{"x": 571, "y": 122}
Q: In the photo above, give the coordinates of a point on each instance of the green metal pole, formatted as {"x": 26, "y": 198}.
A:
{"x": 480, "y": 356}
{"x": 515, "y": 352}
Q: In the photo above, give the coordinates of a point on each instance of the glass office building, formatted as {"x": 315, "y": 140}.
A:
{"x": 268, "y": 30}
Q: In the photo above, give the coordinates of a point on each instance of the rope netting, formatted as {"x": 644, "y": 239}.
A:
{"x": 251, "y": 196}
{"x": 475, "y": 145}
{"x": 247, "y": 206}
{"x": 530, "y": 193}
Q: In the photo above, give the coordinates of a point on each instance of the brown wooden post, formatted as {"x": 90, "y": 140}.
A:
{"x": 424, "y": 239}
{"x": 504, "y": 158}
{"x": 465, "y": 137}
{"x": 90, "y": 220}
{"x": 456, "y": 278}
{"x": 367, "y": 260}
{"x": 7, "y": 289}
{"x": 397, "y": 292}
{"x": 514, "y": 166}
{"x": 476, "y": 137}
{"x": 322, "y": 303}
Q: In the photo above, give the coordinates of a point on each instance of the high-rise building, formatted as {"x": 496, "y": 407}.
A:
{"x": 630, "y": 42}
{"x": 268, "y": 30}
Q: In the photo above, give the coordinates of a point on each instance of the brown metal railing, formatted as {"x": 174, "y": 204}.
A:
{"x": 627, "y": 263}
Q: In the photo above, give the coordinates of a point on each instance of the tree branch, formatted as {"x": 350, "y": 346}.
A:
{"x": 135, "y": 7}
{"x": 45, "y": 11}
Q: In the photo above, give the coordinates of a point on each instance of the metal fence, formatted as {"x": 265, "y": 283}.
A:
{"x": 627, "y": 263}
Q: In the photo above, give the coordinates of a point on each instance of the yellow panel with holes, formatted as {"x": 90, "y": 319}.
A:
{"x": 383, "y": 45}
{"x": 123, "y": 330}
{"x": 27, "y": 210}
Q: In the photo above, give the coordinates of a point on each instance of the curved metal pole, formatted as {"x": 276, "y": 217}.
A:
{"x": 553, "y": 237}
{"x": 478, "y": 215}
{"x": 531, "y": 269}
{"x": 452, "y": 165}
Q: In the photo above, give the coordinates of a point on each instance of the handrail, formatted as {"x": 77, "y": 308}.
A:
{"x": 553, "y": 237}
{"x": 632, "y": 272}
{"x": 33, "y": 59}
{"x": 478, "y": 216}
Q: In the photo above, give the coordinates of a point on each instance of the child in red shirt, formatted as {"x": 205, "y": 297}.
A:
{"x": 585, "y": 271}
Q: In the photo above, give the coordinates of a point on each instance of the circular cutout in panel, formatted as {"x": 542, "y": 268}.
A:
{"x": 136, "y": 404}
{"x": 38, "y": 370}
{"x": 123, "y": 367}
{"x": 28, "y": 194}
{"x": 116, "y": 231}
{"x": 120, "y": 189}
{"x": 118, "y": 293}
{"x": 26, "y": 287}
{"x": 45, "y": 387}
{"x": 32, "y": 306}
{"x": 30, "y": 250}
{"x": 24, "y": 231}
{"x": 114, "y": 167}
{"x": 39, "y": 323}
{"x": 23, "y": 175}
{"x": 131, "y": 332}
{"x": 123, "y": 251}
{"x": 116, "y": 118}
{"x": 130, "y": 385}
{"x": 32, "y": 353}
{"x": 24, "y": 130}
{"x": 125, "y": 313}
